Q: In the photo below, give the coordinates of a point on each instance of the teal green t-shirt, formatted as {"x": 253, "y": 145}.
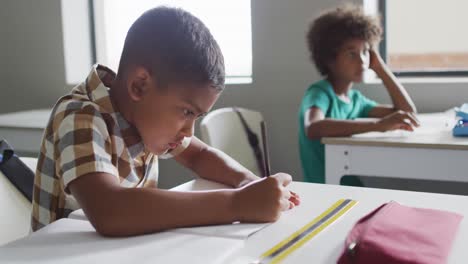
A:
{"x": 322, "y": 95}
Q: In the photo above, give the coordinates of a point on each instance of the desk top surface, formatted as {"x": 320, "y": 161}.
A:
{"x": 435, "y": 132}
{"x": 324, "y": 248}
{"x": 327, "y": 247}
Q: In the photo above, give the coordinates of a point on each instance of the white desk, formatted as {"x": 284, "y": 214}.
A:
{"x": 24, "y": 130}
{"x": 429, "y": 153}
{"x": 82, "y": 245}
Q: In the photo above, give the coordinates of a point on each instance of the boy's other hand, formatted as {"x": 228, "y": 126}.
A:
{"x": 398, "y": 120}
{"x": 263, "y": 200}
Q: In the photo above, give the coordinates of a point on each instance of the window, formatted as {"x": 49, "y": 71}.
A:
{"x": 77, "y": 46}
{"x": 228, "y": 21}
{"x": 425, "y": 37}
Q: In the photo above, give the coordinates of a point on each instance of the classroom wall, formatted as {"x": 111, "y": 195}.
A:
{"x": 31, "y": 50}
{"x": 439, "y": 21}
{"x": 32, "y": 71}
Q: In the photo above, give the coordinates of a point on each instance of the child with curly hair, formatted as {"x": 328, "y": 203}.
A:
{"x": 342, "y": 43}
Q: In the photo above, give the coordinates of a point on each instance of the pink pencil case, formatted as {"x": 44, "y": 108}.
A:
{"x": 394, "y": 233}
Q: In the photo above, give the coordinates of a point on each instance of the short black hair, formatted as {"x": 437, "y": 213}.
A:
{"x": 174, "y": 45}
{"x": 333, "y": 28}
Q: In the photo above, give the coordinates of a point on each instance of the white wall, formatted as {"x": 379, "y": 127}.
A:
{"x": 33, "y": 71}
{"x": 441, "y": 27}
{"x": 31, "y": 52}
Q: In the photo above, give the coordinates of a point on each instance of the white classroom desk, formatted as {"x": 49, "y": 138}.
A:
{"x": 23, "y": 130}
{"x": 428, "y": 153}
{"x": 62, "y": 244}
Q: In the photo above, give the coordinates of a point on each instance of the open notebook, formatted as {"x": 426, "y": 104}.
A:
{"x": 234, "y": 231}
{"x": 430, "y": 124}
{"x": 239, "y": 231}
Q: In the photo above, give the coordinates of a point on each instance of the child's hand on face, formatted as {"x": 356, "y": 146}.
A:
{"x": 264, "y": 200}
{"x": 398, "y": 120}
{"x": 375, "y": 62}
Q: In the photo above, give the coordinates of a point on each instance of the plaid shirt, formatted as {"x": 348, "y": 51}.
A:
{"x": 84, "y": 135}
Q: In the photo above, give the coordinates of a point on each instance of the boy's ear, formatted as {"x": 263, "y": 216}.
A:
{"x": 138, "y": 83}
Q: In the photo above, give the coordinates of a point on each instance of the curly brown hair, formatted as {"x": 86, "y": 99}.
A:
{"x": 333, "y": 28}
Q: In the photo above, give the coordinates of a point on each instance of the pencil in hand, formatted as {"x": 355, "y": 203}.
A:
{"x": 266, "y": 158}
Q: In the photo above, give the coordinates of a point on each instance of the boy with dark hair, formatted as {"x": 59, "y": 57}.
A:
{"x": 105, "y": 138}
{"x": 343, "y": 44}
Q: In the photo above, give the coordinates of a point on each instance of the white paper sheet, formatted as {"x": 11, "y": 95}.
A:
{"x": 235, "y": 231}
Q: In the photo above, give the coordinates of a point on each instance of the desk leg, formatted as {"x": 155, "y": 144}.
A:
{"x": 336, "y": 163}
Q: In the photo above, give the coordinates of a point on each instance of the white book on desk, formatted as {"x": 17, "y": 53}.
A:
{"x": 430, "y": 124}
{"x": 235, "y": 231}
{"x": 239, "y": 231}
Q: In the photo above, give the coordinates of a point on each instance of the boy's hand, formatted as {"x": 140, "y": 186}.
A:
{"x": 398, "y": 120}
{"x": 264, "y": 200}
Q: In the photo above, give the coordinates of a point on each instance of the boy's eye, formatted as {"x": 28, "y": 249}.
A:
{"x": 352, "y": 54}
{"x": 188, "y": 113}
{"x": 200, "y": 116}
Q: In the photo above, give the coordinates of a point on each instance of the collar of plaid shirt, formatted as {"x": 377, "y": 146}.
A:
{"x": 98, "y": 84}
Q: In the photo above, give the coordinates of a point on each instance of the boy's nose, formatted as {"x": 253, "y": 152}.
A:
{"x": 188, "y": 129}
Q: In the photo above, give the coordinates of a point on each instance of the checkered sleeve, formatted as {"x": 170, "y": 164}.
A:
{"x": 83, "y": 144}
